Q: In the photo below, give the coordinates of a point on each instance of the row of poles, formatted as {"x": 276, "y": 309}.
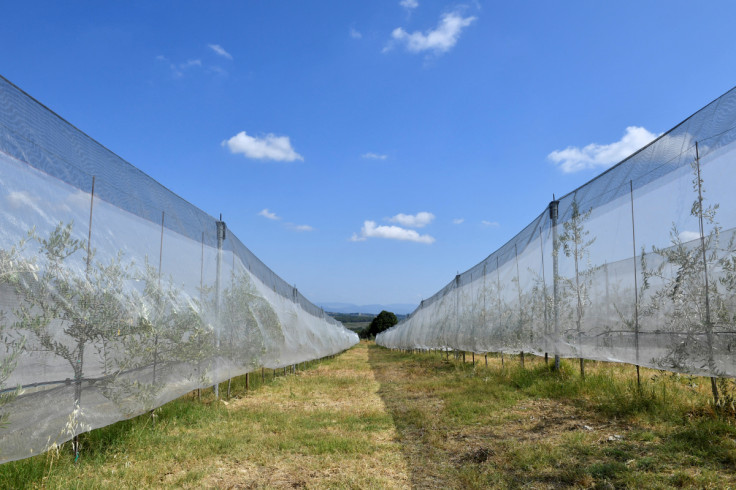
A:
{"x": 553, "y": 210}
{"x": 221, "y": 228}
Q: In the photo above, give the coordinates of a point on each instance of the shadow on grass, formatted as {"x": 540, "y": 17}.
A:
{"x": 409, "y": 408}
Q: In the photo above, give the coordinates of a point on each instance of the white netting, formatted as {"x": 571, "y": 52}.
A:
{"x": 116, "y": 295}
{"x": 631, "y": 267}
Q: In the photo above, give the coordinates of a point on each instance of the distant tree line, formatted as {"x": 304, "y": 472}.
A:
{"x": 352, "y": 317}
{"x": 383, "y": 321}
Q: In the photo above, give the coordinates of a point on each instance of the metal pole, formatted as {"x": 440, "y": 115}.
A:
{"x": 155, "y": 337}
{"x": 554, "y": 215}
{"x": 201, "y": 306}
{"x": 89, "y": 233}
{"x": 708, "y": 324}
{"x": 544, "y": 297}
{"x": 498, "y": 297}
{"x": 231, "y": 328}
{"x": 518, "y": 288}
{"x": 484, "y": 294}
{"x": 220, "y": 238}
{"x": 636, "y": 286}
{"x": 457, "y": 308}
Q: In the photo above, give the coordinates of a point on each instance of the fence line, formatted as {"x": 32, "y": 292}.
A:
{"x": 116, "y": 295}
{"x": 668, "y": 210}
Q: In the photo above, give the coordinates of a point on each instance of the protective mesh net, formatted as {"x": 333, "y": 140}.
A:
{"x": 631, "y": 267}
{"x": 118, "y": 296}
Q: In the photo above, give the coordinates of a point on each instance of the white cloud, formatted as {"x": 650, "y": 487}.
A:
{"x": 492, "y": 224}
{"x": 688, "y": 236}
{"x": 268, "y": 214}
{"x": 458, "y": 221}
{"x": 220, "y": 51}
{"x": 269, "y": 147}
{"x": 574, "y": 159}
{"x": 374, "y": 156}
{"x": 418, "y": 220}
{"x": 355, "y": 34}
{"x": 440, "y": 40}
{"x": 299, "y": 227}
{"x": 372, "y": 230}
{"x": 409, "y": 4}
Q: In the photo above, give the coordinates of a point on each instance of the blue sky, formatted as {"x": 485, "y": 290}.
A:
{"x": 368, "y": 151}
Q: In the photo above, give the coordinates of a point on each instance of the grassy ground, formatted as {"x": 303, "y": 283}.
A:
{"x": 373, "y": 418}
{"x": 464, "y": 426}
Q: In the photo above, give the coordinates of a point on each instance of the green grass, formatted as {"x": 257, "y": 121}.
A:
{"x": 374, "y": 418}
{"x": 543, "y": 428}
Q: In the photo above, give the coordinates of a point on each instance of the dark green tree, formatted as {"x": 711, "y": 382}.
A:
{"x": 383, "y": 321}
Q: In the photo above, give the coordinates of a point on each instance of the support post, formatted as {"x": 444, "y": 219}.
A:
{"x": 221, "y": 231}
{"x": 457, "y": 309}
{"x": 554, "y": 216}
{"x": 544, "y": 297}
{"x": 521, "y": 311}
{"x": 201, "y": 305}
{"x": 636, "y": 287}
{"x": 160, "y": 296}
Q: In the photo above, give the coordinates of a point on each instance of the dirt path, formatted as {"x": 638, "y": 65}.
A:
{"x": 326, "y": 427}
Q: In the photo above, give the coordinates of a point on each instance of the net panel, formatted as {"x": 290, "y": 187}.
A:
{"x": 631, "y": 267}
{"x": 117, "y": 295}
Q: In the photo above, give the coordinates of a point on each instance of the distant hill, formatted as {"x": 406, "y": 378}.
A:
{"x": 399, "y": 308}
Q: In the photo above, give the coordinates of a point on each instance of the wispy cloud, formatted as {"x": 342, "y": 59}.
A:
{"x": 291, "y": 226}
{"x": 419, "y": 220}
{"x": 409, "y": 4}
{"x": 491, "y": 224}
{"x": 372, "y": 230}
{"x": 374, "y": 156}
{"x": 574, "y": 159}
{"x": 178, "y": 69}
{"x": 220, "y": 51}
{"x": 438, "y": 40}
{"x": 294, "y": 227}
{"x": 268, "y": 147}
{"x": 458, "y": 221}
{"x": 268, "y": 214}
{"x": 355, "y": 34}
{"x": 190, "y": 63}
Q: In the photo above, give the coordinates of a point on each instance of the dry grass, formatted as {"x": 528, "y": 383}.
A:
{"x": 324, "y": 427}
{"x": 373, "y": 418}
